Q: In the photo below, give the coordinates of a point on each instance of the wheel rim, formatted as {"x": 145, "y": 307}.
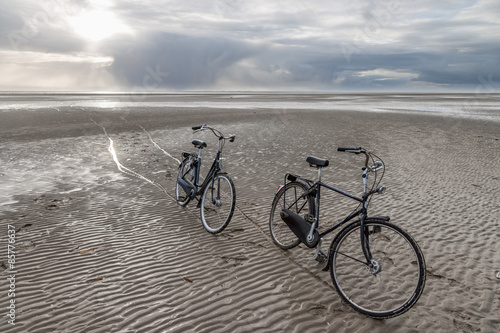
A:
{"x": 390, "y": 289}
{"x": 280, "y": 231}
{"x": 217, "y": 204}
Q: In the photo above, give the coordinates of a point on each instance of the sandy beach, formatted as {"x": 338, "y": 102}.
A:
{"x": 102, "y": 250}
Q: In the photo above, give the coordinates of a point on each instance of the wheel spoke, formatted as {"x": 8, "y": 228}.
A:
{"x": 348, "y": 256}
{"x": 291, "y": 197}
{"x": 392, "y": 283}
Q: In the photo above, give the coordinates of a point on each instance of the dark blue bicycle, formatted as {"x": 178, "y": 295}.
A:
{"x": 216, "y": 194}
{"x": 376, "y": 267}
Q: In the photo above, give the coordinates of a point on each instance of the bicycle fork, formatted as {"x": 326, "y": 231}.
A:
{"x": 215, "y": 201}
{"x": 218, "y": 168}
{"x": 371, "y": 264}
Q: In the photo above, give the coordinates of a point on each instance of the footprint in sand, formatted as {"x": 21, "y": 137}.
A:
{"x": 235, "y": 260}
{"x": 26, "y": 246}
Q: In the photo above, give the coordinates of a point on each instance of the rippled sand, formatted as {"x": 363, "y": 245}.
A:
{"x": 99, "y": 250}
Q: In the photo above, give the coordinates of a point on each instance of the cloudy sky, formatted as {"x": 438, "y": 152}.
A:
{"x": 294, "y": 45}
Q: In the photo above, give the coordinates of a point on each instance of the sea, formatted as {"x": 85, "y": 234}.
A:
{"x": 484, "y": 106}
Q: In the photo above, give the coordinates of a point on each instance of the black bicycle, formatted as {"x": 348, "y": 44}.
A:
{"x": 376, "y": 267}
{"x": 216, "y": 194}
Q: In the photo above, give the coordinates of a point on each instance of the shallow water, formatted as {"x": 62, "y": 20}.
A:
{"x": 475, "y": 106}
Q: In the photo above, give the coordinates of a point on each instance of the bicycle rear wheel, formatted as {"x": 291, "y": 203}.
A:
{"x": 397, "y": 280}
{"x": 289, "y": 197}
{"x": 187, "y": 172}
{"x": 217, "y": 203}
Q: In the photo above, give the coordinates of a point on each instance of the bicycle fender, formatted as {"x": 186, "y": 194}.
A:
{"x": 384, "y": 218}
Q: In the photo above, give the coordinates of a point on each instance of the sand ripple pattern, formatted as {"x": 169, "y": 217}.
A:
{"x": 100, "y": 251}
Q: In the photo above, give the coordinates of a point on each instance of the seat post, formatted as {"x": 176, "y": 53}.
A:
{"x": 199, "y": 159}
{"x": 319, "y": 174}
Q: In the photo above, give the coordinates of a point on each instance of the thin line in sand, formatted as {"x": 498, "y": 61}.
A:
{"x": 157, "y": 146}
{"x": 133, "y": 173}
{"x": 123, "y": 168}
{"x": 129, "y": 172}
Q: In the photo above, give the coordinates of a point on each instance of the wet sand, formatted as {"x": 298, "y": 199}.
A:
{"x": 100, "y": 250}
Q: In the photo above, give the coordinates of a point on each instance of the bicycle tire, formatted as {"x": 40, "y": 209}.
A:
{"x": 401, "y": 269}
{"x": 281, "y": 234}
{"x": 213, "y": 217}
{"x": 187, "y": 172}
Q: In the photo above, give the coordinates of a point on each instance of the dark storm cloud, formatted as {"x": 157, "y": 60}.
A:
{"x": 165, "y": 60}
{"x": 236, "y": 44}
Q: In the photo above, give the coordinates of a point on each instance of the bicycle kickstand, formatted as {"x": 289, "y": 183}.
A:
{"x": 319, "y": 255}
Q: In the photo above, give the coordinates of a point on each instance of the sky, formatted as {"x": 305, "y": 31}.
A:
{"x": 237, "y": 45}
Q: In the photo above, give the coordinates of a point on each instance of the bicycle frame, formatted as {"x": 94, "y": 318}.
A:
{"x": 363, "y": 211}
{"x": 214, "y": 169}
{"x": 348, "y": 218}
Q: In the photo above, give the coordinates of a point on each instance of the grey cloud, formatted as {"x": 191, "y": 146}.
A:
{"x": 183, "y": 62}
{"x": 224, "y": 44}
{"x": 25, "y": 26}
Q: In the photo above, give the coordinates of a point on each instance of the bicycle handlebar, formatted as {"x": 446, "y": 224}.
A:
{"x": 359, "y": 150}
{"x": 216, "y": 132}
{"x": 377, "y": 166}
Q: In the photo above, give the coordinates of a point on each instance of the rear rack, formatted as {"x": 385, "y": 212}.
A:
{"x": 292, "y": 177}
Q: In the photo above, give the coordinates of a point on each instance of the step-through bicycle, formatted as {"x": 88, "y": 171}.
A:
{"x": 376, "y": 267}
{"x": 216, "y": 194}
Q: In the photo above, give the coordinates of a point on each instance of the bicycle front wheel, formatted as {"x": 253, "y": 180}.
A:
{"x": 290, "y": 197}
{"x": 217, "y": 203}
{"x": 396, "y": 280}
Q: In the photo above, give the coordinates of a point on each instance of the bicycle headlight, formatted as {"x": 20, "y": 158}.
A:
{"x": 381, "y": 189}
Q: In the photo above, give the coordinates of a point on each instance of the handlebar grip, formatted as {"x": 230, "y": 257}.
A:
{"x": 196, "y": 127}
{"x": 346, "y": 149}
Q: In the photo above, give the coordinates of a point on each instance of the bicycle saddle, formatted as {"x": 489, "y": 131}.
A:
{"x": 199, "y": 144}
{"x": 317, "y": 162}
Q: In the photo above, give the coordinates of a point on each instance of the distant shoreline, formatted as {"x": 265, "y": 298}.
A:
{"x": 230, "y": 92}
{"x": 459, "y": 105}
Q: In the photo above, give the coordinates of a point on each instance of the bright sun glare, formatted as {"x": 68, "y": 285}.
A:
{"x": 98, "y": 24}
